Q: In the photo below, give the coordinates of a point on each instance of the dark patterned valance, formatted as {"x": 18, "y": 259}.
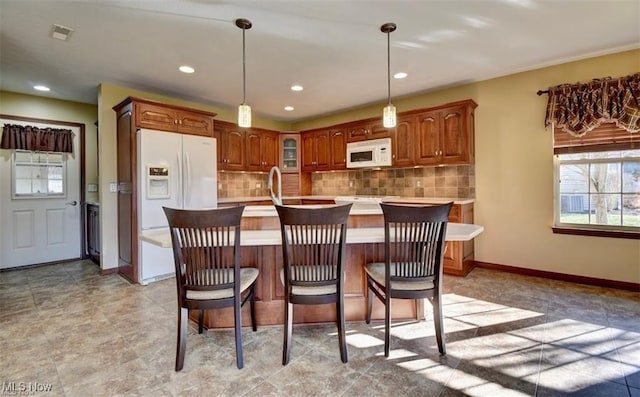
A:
{"x": 579, "y": 108}
{"x": 37, "y": 139}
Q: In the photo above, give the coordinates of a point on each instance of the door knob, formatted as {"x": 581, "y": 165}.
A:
{"x": 72, "y": 203}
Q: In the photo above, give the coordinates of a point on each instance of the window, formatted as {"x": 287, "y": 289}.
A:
{"x": 598, "y": 190}
{"x": 38, "y": 174}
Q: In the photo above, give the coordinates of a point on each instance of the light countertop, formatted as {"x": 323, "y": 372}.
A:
{"x": 417, "y": 200}
{"x": 455, "y": 232}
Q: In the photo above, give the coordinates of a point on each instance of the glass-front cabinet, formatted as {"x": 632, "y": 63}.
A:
{"x": 290, "y": 153}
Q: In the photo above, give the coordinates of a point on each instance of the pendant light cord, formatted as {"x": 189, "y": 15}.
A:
{"x": 388, "y": 68}
{"x": 244, "y": 72}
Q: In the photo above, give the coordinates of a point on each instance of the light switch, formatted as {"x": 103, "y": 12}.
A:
{"x": 113, "y": 187}
{"x": 92, "y": 187}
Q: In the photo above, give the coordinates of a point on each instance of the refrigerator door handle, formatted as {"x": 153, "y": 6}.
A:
{"x": 180, "y": 193}
{"x": 187, "y": 190}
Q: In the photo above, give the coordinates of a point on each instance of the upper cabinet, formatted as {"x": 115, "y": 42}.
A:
{"x": 445, "y": 135}
{"x": 338, "y": 149}
{"x": 163, "y": 117}
{"x": 230, "y": 146}
{"x": 402, "y": 141}
{"x": 315, "y": 150}
{"x": 290, "y": 153}
{"x": 366, "y": 129}
{"x": 261, "y": 149}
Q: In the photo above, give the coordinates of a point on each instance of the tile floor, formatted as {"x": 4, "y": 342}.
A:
{"x": 66, "y": 328}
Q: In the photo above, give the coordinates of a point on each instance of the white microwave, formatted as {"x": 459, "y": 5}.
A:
{"x": 373, "y": 153}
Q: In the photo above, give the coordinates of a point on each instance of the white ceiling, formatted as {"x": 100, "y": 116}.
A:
{"x": 333, "y": 48}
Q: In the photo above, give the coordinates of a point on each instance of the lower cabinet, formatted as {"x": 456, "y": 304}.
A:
{"x": 93, "y": 232}
{"x": 458, "y": 255}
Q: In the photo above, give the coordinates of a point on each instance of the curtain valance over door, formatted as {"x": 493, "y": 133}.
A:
{"x": 36, "y": 139}
{"x": 579, "y": 108}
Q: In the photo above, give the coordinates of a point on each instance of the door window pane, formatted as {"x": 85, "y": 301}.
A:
{"x": 38, "y": 175}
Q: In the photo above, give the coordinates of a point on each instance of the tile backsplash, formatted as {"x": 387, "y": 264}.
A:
{"x": 448, "y": 181}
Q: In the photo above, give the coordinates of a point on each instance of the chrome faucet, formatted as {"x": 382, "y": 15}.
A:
{"x": 277, "y": 199}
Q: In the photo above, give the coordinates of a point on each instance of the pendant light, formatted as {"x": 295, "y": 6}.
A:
{"x": 389, "y": 111}
{"x": 244, "y": 110}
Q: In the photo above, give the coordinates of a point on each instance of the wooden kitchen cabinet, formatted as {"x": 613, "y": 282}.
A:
{"x": 458, "y": 256}
{"x": 445, "y": 135}
{"x": 290, "y": 153}
{"x": 338, "y": 154}
{"x": 173, "y": 118}
{"x": 366, "y": 129}
{"x": 402, "y": 141}
{"x": 230, "y": 143}
{"x": 93, "y": 232}
{"x": 261, "y": 149}
{"x": 133, "y": 114}
{"x": 315, "y": 150}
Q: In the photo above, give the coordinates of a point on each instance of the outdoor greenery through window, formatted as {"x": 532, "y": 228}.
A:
{"x": 38, "y": 174}
{"x": 599, "y": 189}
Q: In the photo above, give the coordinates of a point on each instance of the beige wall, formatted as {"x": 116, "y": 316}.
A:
{"x": 514, "y": 171}
{"x": 39, "y": 107}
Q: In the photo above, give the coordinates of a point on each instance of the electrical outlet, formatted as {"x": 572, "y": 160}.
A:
{"x": 419, "y": 183}
{"x": 92, "y": 187}
{"x": 350, "y": 183}
{"x": 258, "y": 185}
{"x": 219, "y": 186}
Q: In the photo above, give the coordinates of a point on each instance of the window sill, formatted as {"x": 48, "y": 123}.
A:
{"x": 581, "y": 231}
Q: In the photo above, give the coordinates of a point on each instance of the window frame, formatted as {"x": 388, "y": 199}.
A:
{"x": 618, "y": 231}
{"x": 46, "y": 195}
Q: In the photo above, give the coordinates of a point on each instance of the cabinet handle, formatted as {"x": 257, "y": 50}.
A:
{"x": 175, "y": 121}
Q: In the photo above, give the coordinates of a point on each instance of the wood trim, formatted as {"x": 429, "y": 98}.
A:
{"x": 106, "y": 272}
{"x": 578, "y": 231}
{"x": 572, "y": 278}
{"x": 132, "y": 99}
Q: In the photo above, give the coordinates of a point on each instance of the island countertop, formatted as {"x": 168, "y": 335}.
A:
{"x": 365, "y": 235}
{"x": 399, "y": 199}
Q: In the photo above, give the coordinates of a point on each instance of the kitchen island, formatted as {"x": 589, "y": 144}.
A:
{"x": 260, "y": 241}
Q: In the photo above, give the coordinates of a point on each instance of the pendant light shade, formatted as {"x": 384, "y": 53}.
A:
{"x": 244, "y": 110}
{"x": 389, "y": 111}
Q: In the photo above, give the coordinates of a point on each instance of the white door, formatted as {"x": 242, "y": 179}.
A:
{"x": 39, "y": 230}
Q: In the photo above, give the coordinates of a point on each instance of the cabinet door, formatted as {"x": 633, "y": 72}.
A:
{"x": 402, "y": 144}
{"x": 357, "y": 132}
{"x": 454, "y": 147}
{"x": 428, "y": 139}
{"x": 253, "y": 150}
{"x": 290, "y": 153}
{"x": 323, "y": 150}
{"x": 156, "y": 117}
{"x": 377, "y": 131}
{"x": 338, "y": 149}
{"x": 308, "y": 151}
{"x": 233, "y": 149}
{"x": 270, "y": 150}
{"x": 195, "y": 124}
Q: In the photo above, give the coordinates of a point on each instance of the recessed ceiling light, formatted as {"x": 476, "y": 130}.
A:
{"x": 289, "y": 108}
{"x": 186, "y": 69}
{"x": 297, "y": 87}
{"x": 41, "y": 88}
{"x": 400, "y": 75}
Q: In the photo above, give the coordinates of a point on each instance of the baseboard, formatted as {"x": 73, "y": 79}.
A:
{"x": 600, "y": 282}
{"x": 106, "y": 272}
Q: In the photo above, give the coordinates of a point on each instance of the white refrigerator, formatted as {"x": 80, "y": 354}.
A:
{"x": 177, "y": 171}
